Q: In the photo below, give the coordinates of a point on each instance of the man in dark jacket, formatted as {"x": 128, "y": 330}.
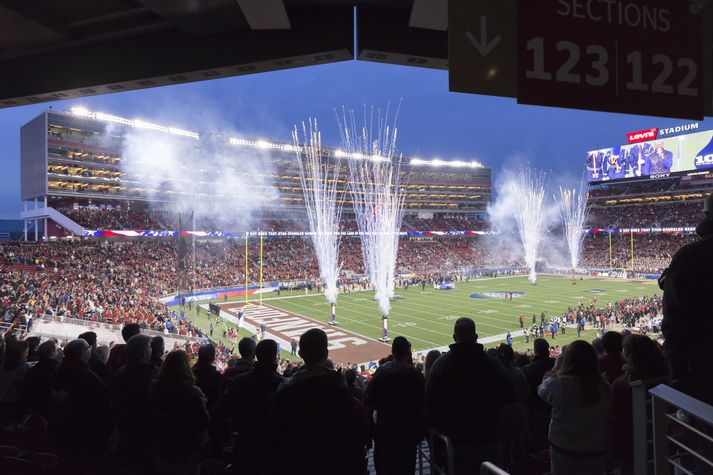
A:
{"x": 37, "y": 383}
{"x": 465, "y": 391}
{"x": 396, "y": 393}
{"x": 129, "y": 390}
{"x": 96, "y": 365}
{"x": 246, "y": 348}
{"x": 243, "y": 408}
{"x": 538, "y": 411}
{"x": 326, "y": 428}
{"x": 688, "y": 313}
{"x": 117, "y": 356}
{"x": 207, "y": 376}
{"x": 82, "y": 420}
{"x": 157, "y": 350}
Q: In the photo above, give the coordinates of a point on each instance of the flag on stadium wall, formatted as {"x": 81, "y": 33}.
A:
{"x": 182, "y": 248}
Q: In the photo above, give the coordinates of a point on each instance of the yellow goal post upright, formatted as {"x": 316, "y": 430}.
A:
{"x": 622, "y": 266}
{"x": 247, "y": 268}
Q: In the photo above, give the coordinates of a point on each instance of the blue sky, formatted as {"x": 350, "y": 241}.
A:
{"x": 433, "y": 122}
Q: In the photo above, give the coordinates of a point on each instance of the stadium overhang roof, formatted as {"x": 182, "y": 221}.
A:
{"x": 53, "y": 50}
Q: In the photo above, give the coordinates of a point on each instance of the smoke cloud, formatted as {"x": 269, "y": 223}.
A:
{"x": 226, "y": 187}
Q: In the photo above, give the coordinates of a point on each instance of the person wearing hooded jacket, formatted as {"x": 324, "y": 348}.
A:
{"x": 465, "y": 392}
{"x": 396, "y": 393}
{"x": 688, "y": 312}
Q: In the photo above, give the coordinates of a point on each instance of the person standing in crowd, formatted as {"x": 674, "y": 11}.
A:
{"x": 313, "y": 409}
{"x": 129, "y": 390}
{"x": 13, "y": 370}
{"x": 538, "y": 411}
{"x": 246, "y": 348}
{"x": 242, "y": 410}
{"x": 514, "y": 416}
{"x": 644, "y": 362}
{"x": 33, "y": 342}
{"x": 461, "y": 405}
{"x": 82, "y": 420}
{"x": 688, "y": 314}
{"x": 37, "y": 384}
{"x": 157, "y": 351}
{"x": 350, "y": 378}
{"x": 96, "y": 365}
{"x": 117, "y": 356}
{"x": 181, "y": 439}
{"x": 612, "y": 363}
{"x": 207, "y": 376}
{"x": 396, "y": 394}
{"x": 581, "y": 400}
{"x": 431, "y": 358}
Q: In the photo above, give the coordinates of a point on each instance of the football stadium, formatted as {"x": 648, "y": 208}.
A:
{"x": 355, "y": 237}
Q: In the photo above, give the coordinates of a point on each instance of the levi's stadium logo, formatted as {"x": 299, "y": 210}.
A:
{"x": 642, "y": 136}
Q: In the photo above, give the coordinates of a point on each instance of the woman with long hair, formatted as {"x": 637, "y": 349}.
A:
{"x": 182, "y": 421}
{"x": 581, "y": 401}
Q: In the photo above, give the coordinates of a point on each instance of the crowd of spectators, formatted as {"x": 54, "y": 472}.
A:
{"x": 664, "y": 215}
{"x": 651, "y": 252}
{"x": 141, "y": 410}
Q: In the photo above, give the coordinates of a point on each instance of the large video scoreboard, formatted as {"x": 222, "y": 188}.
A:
{"x": 654, "y": 154}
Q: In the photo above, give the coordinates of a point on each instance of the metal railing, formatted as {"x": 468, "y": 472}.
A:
{"x": 441, "y": 444}
{"x": 490, "y": 469}
{"x": 436, "y": 442}
{"x": 641, "y": 424}
{"x": 5, "y": 326}
{"x": 115, "y": 327}
{"x": 682, "y": 432}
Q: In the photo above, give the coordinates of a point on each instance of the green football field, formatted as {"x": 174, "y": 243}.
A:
{"x": 426, "y": 317}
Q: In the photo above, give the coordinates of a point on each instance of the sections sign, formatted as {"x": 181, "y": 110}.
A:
{"x": 632, "y": 56}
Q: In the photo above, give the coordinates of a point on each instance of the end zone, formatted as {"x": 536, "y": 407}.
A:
{"x": 283, "y": 326}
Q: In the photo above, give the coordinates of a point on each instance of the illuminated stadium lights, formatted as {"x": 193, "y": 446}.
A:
{"x": 262, "y": 144}
{"x": 445, "y": 163}
{"x": 137, "y": 123}
{"x": 359, "y": 156}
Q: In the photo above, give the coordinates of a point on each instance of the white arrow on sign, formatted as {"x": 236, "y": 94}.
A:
{"x": 483, "y": 46}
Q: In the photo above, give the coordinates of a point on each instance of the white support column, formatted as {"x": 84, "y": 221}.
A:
{"x": 37, "y": 223}
{"x": 44, "y": 228}
{"x": 24, "y": 221}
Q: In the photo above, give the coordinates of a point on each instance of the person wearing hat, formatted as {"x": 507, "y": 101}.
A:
{"x": 396, "y": 394}
{"x": 688, "y": 312}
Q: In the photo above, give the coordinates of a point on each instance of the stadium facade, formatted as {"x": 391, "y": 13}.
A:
{"x": 77, "y": 158}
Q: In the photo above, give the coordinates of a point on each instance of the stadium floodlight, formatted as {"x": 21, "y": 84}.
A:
{"x": 112, "y": 118}
{"x": 136, "y": 123}
{"x": 263, "y": 144}
{"x": 445, "y": 163}
{"x": 83, "y": 111}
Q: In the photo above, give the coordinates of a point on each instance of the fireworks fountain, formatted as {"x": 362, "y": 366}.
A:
{"x": 573, "y": 210}
{"x": 375, "y": 183}
{"x": 319, "y": 177}
{"x": 529, "y": 193}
